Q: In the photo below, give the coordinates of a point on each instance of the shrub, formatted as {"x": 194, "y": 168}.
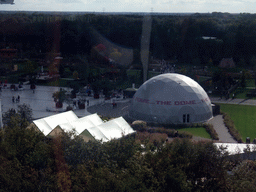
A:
{"x": 231, "y": 128}
{"x": 209, "y": 128}
{"x": 139, "y": 125}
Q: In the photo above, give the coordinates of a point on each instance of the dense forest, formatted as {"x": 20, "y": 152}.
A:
{"x": 173, "y": 37}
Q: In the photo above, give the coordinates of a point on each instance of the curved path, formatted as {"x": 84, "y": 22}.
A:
{"x": 221, "y": 129}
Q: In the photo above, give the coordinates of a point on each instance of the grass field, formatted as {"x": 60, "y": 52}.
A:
{"x": 244, "y": 118}
{"x": 197, "y": 131}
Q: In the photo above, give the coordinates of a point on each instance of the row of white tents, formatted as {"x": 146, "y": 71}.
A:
{"x": 90, "y": 127}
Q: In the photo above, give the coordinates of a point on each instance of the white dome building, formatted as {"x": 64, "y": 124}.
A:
{"x": 171, "y": 99}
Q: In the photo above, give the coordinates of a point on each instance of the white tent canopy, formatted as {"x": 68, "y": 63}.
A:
{"x": 47, "y": 124}
{"x": 83, "y": 123}
{"x": 88, "y": 126}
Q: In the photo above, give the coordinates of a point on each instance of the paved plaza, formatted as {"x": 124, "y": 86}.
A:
{"x": 39, "y": 101}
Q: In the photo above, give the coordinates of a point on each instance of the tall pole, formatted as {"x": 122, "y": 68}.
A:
{"x": 145, "y": 42}
{"x": 1, "y": 117}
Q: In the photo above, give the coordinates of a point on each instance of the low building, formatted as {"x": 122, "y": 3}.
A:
{"x": 90, "y": 127}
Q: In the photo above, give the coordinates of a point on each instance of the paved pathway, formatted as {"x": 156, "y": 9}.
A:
{"x": 218, "y": 121}
{"x": 234, "y": 101}
{"x": 222, "y": 131}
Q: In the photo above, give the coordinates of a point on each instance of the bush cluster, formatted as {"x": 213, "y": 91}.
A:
{"x": 231, "y": 128}
{"x": 138, "y": 124}
{"x": 142, "y": 126}
{"x": 209, "y": 128}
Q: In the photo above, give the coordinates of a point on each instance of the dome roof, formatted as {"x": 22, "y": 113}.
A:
{"x": 171, "y": 99}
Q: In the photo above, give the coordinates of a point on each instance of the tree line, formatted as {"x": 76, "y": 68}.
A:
{"x": 173, "y": 37}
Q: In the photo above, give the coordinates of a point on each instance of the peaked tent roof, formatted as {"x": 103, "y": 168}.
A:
{"x": 88, "y": 126}
{"x": 83, "y": 123}
{"x": 97, "y": 134}
{"x": 47, "y": 124}
{"x": 124, "y": 125}
{"x": 113, "y": 129}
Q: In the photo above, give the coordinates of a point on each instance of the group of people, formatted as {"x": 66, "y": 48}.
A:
{"x": 79, "y": 103}
{"x": 17, "y": 100}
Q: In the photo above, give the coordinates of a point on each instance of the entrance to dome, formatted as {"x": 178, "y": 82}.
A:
{"x": 186, "y": 118}
{"x": 186, "y": 114}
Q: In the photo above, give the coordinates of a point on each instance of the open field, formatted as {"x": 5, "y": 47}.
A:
{"x": 197, "y": 131}
{"x": 244, "y": 118}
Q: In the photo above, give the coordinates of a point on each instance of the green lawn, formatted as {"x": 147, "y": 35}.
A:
{"x": 250, "y": 83}
{"x": 241, "y": 93}
{"x": 244, "y": 118}
{"x": 197, "y": 131}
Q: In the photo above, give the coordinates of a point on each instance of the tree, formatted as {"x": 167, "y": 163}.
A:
{"x": 30, "y": 67}
{"x": 243, "y": 80}
{"x": 96, "y": 87}
{"x": 25, "y": 158}
{"x": 243, "y": 177}
{"x": 7, "y": 116}
{"x": 107, "y": 86}
{"x": 59, "y": 97}
{"x": 61, "y": 69}
{"x": 25, "y": 112}
{"x": 23, "y": 115}
{"x": 75, "y": 75}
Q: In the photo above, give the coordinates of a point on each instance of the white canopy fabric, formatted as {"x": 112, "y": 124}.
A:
{"x": 97, "y": 134}
{"x": 68, "y": 121}
{"x": 83, "y": 123}
{"x": 111, "y": 130}
{"x": 47, "y": 124}
{"x": 126, "y": 128}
